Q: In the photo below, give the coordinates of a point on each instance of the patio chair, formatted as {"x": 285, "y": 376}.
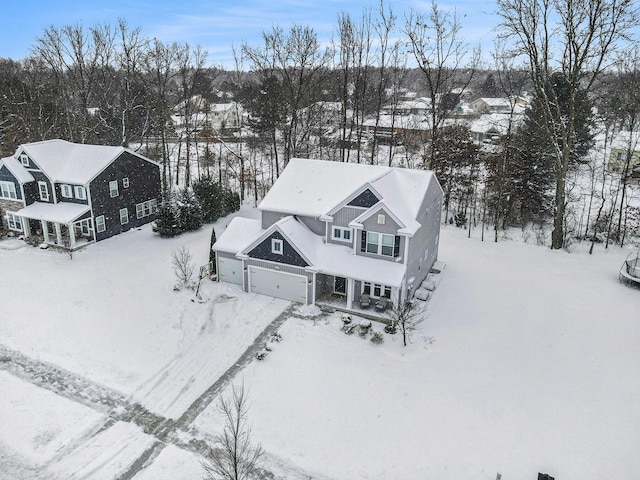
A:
{"x": 382, "y": 304}
{"x": 365, "y": 301}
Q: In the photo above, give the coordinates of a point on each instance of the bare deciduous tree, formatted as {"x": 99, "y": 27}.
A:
{"x": 585, "y": 33}
{"x": 183, "y": 266}
{"x": 406, "y": 319}
{"x": 233, "y": 456}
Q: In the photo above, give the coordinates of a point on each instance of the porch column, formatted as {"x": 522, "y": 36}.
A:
{"x": 58, "y": 233}
{"x": 350, "y": 286}
{"x": 26, "y": 230}
{"x": 72, "y": 235}
{"x": 45, "y": 231}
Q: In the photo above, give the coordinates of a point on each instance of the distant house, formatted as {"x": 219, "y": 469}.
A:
{"x": 201, "y": 114}
{"x": 623, "y": 143}
{"x": 71, "y": 194}
{"x": 498, "y": 105}
{"x": 337, "y": 230}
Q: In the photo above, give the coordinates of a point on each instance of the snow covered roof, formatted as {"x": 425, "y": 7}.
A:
{"x": 315, "y": 188}
{"x": 64, "y": 212}
{"x": 243, "y": 234}
{"x": 494, "y": 122}
{"x": 16, "y": 169}
{"x": 238, "y": 235}
{"x": 64, "y": 161}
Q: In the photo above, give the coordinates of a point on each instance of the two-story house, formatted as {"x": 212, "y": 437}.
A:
{"x": 336, "y": 229}
{"x": 71, "y": 194}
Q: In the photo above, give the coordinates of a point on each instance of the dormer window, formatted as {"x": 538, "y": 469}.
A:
{"x": 341, "y": 234}
{"x": 81, "y": 193}
{"x": 24, "y": 159}
{"x": 276, "y": 246}
{"x": 67, "y": 191}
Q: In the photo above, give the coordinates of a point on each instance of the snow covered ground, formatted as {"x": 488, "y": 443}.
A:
{"x": 527, "y": 361}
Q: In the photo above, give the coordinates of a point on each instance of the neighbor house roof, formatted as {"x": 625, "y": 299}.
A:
{"x": 64, "y": 161}
{"x": 17, "y": 170}
{"x": 64, "y": 212}
{"x": 315, "y": 187}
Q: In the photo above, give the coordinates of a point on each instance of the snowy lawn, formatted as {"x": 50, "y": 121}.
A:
{"x": 527, "y": 362}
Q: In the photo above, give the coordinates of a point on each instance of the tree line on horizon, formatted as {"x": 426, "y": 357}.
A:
{"x": 111, "y": 84}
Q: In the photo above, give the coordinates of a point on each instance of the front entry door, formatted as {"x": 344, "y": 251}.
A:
{"x": 340, "y": 285}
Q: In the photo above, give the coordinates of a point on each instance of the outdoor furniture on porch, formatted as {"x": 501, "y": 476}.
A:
{"x": 382, "y": 304}
{"x": 365, "y": 301}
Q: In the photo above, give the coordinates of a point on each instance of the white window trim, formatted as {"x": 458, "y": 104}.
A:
{"x": 382, "y": 289}
{"x": 81, "y": 192}
{"x": 124, "y": 211}
{"x": 101, "y": 224}
{"x": 341, "y": 231}
{"x": 111, "y": 190}
{"x": 10, "y": 190}
{"x": 381, "y": 219}
{"x": 44, "y": 197}
{"x": 15, "y": 220}
{"x": 125, "y": 182}
{"x": 24, "y": 159}
{"x": 66, "y": 191}
{"x": 379, "y": 244}
{"x": 280, "y": 246}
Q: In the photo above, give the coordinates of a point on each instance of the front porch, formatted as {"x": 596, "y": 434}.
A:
{"x": 63, "y": 225}
{"x": 339, "y": 303}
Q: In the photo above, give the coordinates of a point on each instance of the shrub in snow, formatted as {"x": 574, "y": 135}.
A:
{"x": 189, "y": 213}
{"x": 349, "y": 328}
{"x": 261, "y": 355}
{"x": 346, "y": 318}
{"x": 390, "y": 329}
{"x": 166, "y": 223}
{"x": 275, "y": 337}
{"x": 364, "y": 328}
{"x": 377, "y": 338}
{"x": 216, "y": 200}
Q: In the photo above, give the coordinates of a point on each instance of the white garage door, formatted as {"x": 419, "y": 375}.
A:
{"x": 278, "y": 284}
{"x": 230, "y": 270}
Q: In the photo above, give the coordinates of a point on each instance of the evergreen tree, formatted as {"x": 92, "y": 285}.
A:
{"x": 166, "y": 224}
{"x": 188, "y": 209}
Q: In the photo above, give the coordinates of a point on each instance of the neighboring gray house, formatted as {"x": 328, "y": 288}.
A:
{"x": 71, "y": 194}
{"x": 338, "y": 230}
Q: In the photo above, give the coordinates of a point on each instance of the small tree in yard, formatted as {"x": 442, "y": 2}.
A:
{"x": 406, "y": 319}
{"x": 233, "y": 456}
{"x": 183, "y": 266}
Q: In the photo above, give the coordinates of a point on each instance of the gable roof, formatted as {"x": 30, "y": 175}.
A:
{"x": 317, "y": 188}
{"x": 76, "y": 163}
{"x": 17, "y": 169}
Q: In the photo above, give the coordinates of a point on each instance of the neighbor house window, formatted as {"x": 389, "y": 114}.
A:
{"x": 67, "y": 191}
{"x": 100, "y": 225}
{"x": 113, "y": 188}
{"x": 276, "y": 246}
{"x": 376, "y": 290}
{"x": 380, "y": 243}
{"x": 145, "y": 209}
{"x": 341, "y": 233}
{"x": 124, "y": 216}
{"x": 14, "y": 221}
{"x": 125, "y": 182}
{"x": 81, "y": 193}
{"x": 24, "y": 159}
{"x": 8, "y": 190}
{"x": 44, "y": 191}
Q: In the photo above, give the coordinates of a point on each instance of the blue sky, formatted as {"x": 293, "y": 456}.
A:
{"x": 216, "y": 25}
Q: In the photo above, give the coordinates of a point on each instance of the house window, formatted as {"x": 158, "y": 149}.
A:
{"x": 100, "y": 224}
{"x": 8, "y": 190}
{"x": 24, "y": 159}
{"x": 125, "y": 182}
{"x": 67, "y": 191}
{"x": 44, "y": 191}
{"x": 113, "y": 188}
{"x": 81, "y": 193}
{"x": 380, "y": 244}
{"x": 341, "y": 234}
{"x": 145, "y": 209}
{"x": 376, "y": 290}
{"x": 276, "y": 246}
{"x": 124, "y": 216}
{"x": 84, "y": 227}
{"x": 381, "y": 219}
{"x": 14, "y": 221}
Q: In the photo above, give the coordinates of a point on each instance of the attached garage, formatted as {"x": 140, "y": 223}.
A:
{"x": 230, "y": 270}
{"x": 278, "y": 284}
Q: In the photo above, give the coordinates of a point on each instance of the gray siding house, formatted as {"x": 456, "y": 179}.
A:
{"x": 71, "y": 194}
{"x": 339, "y": 230}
